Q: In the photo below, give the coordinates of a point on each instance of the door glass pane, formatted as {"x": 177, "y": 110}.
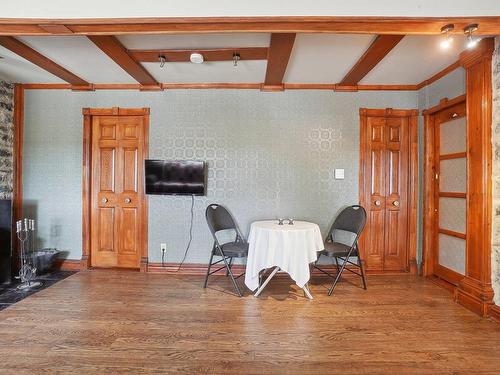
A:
{"x": 453, "y": 175}
{"x": 452, "y": 214}
{"x": 453, "y": 136}
{"x": 452, "y": 253}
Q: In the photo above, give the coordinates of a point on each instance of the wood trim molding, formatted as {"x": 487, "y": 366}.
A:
{"x": 494, "y": 313}
{"x": 67, "y": 265}
{"x": 86, "y": 184}
{"x": 450, "y": 68}
{"x": 85, "y": 262}
{"x": 488, "y": 25}
{"x": 278, "y": 56}
{"x": 145, "y": 200}
{"x": 413, "y": 193}
{"x": 455, "y": 155}
{"x": 388, "y": 112}
{"x": 28, "y": 53}
{"x": 379, "y": 48}
{"x": 223, "y": 85}
{"x": 445, "y": 103}
{"x": 201, "y": 270}
{"x": 429, "y": 193}
{"x": 112, "y": 47}
{"x": 213, "y": 54}
{"x": 452, "y": 233}
{"x": 475, "y": 291}
{"x": 447, "y": 194}
{"x": 449, "y": 275}
{"x": 116, "y": 111}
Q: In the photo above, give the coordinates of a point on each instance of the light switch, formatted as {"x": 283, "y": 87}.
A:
{"x": 339, "y": 174}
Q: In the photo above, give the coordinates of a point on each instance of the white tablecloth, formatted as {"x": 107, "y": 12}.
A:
{"x": 290, "y": 247}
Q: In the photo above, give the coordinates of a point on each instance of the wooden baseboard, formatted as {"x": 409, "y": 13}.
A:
{"x": 67, "y": 265}
{"x": 494, "y": 313}
{"x": 474, "y": 295}
{"x": 201, "y": 269}
{"x": 443, "y": 284}
{"x": 413, "y": 267}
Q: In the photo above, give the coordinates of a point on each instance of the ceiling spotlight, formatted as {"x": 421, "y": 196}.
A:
{"x": 236, "y": 58}
{"x": 163, "y": 60}
{"x": 468, "y": 30}
{"x": 196, "y": 58}
{"x": 447, "y": 38}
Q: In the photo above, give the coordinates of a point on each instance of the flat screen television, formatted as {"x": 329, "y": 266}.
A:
{"x": 175, "y": 177}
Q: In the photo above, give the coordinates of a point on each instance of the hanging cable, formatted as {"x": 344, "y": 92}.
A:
{"x": 190, "y": 234}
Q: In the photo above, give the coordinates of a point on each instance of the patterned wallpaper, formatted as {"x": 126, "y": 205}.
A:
{"x": 495, "y": 240}
{"x": 268, "y": 155}
{"x": 6, "y": 138}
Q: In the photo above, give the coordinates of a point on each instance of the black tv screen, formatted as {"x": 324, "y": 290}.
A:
{"x": 175, "y": 177}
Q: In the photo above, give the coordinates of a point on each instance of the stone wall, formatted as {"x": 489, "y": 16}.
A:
{"x": 6, "y": 138}
{"x": 495, "y": 251}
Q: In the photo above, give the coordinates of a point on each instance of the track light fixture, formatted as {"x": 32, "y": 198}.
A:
{"x": 447, "y": 38}
{"x": 468, "y": 30}
{"x": 236, "y": 58}
{"x": 163, "y": 60}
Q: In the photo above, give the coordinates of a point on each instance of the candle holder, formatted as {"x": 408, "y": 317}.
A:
{"x": 25, "y": 230}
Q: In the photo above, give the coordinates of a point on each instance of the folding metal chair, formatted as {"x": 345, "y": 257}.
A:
{"x": 352, "y": 219}
{"x": 218, "y": 219}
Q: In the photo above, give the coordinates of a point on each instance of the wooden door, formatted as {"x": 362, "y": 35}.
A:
{"x": 450, "y": 194}
{"x": 384, "y": 188}
{"x": 117, "y": 196}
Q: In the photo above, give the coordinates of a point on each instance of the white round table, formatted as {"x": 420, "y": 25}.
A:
{"x": 290, "y": 248}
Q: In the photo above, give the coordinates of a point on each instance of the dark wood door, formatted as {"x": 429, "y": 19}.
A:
{"x": 384, "y": 189}
{"x": 117, "y": 191}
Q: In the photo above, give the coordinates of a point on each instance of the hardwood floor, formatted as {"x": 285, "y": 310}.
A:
{"x": 116, "y": 322}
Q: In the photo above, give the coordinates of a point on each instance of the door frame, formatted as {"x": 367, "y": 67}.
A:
{"x": 87, "y": 179}
{"x": 430, "y": 226}
{"x": 412, "y": 114}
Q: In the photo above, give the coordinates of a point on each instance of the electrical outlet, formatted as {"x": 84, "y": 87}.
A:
{"x": 163, "y": 247}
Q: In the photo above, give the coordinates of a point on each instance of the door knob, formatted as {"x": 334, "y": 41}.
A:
{"x": 128, "y": 200}
{"x": 377, "y": 203}
{"x": 104, "y": 200}
{"x": 395, "y": 203}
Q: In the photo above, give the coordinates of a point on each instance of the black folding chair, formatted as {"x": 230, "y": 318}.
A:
{"x": 218, "y": 219}
{"x": 352, "y": 220}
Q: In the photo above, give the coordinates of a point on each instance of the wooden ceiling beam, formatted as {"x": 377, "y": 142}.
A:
{"x": 379, "y": 48}
{"x": 112, "y": 47}
{"x": 488, "y": 25}
{"x": 181, "y": 55}
{"x": 28, "y": 53}
{"x": 278, "y": 56}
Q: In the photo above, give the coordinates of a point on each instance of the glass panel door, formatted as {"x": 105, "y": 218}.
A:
{"x": 451, "y": 199}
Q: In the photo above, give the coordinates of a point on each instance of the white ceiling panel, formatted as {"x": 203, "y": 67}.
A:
{"x": 16, "y": 69}
{"x": 81, "y": 57}
{"x": 187, "y": 41}
{"x": 414, "y": 59}
{"x": 324, "y": 58}
{"x": 252, "y": 71}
